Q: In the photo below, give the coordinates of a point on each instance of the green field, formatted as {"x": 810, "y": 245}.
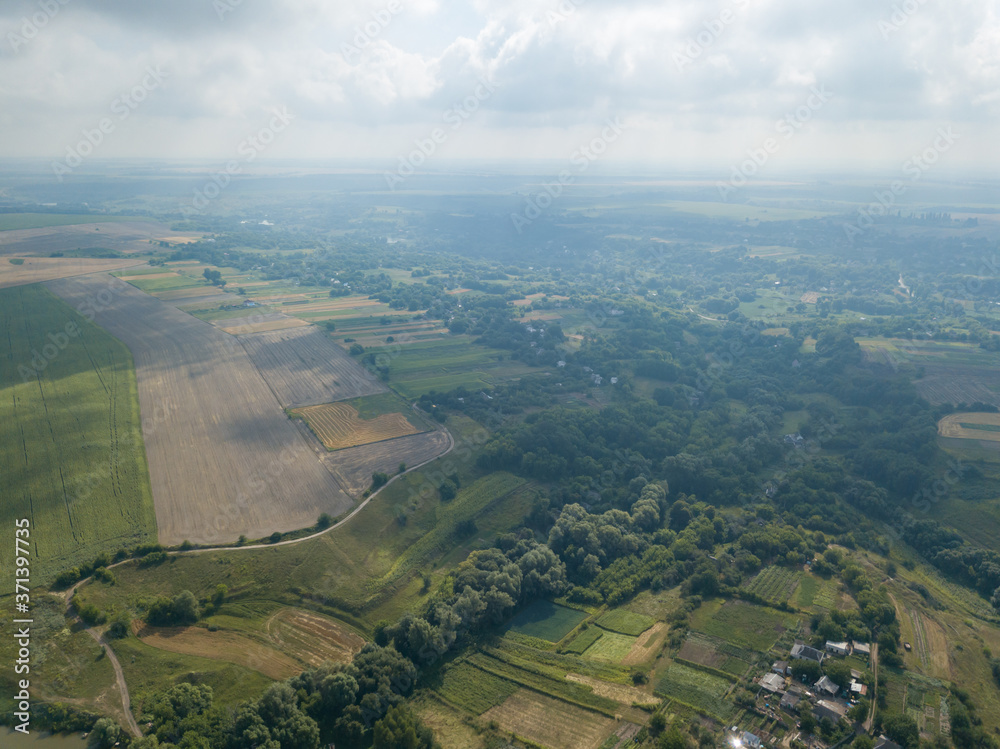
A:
{"x": 473, "y": 689}
{"x": 611, "y": 647}
{"x": 584, "y": 640}
{"x": 981, "y": 427}
{"x": 11, "y": 221}
{"x": 72, "y": 457}
{"x": 700, "y": 690}
{"x": 774, "y": 584}
{"x": 547, "y": 621}
{"x": 743, "y": 624}
{"x": 625, "y": 622}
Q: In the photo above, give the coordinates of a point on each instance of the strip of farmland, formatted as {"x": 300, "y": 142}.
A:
{"x": 224, "y": 460}
{"x": 305, "y": 367}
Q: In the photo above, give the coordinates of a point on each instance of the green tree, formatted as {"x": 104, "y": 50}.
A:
{"x": 401, "y": 729}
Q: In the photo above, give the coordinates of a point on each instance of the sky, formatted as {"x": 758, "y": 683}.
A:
{"x": 796, "y": 84}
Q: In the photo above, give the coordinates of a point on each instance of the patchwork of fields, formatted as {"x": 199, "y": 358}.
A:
{"x": 72, "y": 457}
{"x": 361, "y": 421}
{"x": 224, "y": 459}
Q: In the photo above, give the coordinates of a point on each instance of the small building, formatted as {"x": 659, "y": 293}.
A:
{"x": 861, "y": 648}
{"x": 858, "y": 689}
{"x": 831, "y": 710}
{"x": 801, "y": 651}
{"x": 751, "y": 740}
{"x": 790, "y": 702}
{"x": 884, "y": 743}
{"x": 781, "y": 667}
{"x": 838, "y": 648}
{"x": 773, "y": 682}
{"x": 827, "y": 685}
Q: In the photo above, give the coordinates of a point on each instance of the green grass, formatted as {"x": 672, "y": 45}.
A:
{"x": 808, "y": 588}
{"x": 584, "y": 640}
{"x": 473, "y": 689}
{"x": 152, "y": 285}
{"x": 743, "y": 624}
{"x": 700, "y": 690}
{"x": 625, "y": 622}
{"x": 611, "y": 647}
{"x": 373, "y": 406}
{"x": 16, "y": 261}
{"x": 547, "y": 621}
{"x": 11, "y": 221}
{"x": 71, "y": 451}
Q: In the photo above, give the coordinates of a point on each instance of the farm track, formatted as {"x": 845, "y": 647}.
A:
{"x": 224, "y": 459}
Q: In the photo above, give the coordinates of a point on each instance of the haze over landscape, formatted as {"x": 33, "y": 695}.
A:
{"x": 440, "y": 375}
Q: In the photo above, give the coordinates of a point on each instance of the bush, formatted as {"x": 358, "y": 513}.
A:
{"x": 379, "y": 480}
{"x": 324, "y": 521}
{"x": 356, "y": 349}
{"x": 274, "y": 537}
{"x": 156, "y": 557}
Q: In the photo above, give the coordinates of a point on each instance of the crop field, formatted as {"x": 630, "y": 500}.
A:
{"x": 361, "y": 421}
{"x": 620, "y": 693}
{"x": 222, "y": 646}
{"x": 611, "y": 647}
{"x": 584, "y": 640}
{"x": 647, "y": 645}
{"x": 35, "y": 269}
{"x": 702, "y": 691}
{"x": 354, "y": 466}
{"x": 549, "y": 722}
{"x": 304, "y": 367}
{"x": 14, "y": 221}
{"x": 716, "y": 653}
{"x": 547, "y": 621}
{"x": 971, "y": 426}
{"x": 743, "y": 624}
{"x": 625, "y": 622}
{"x": 472, "y": 689}
{"x": 114, "y": 233}
{"x": 71, "y": 447}
{"x": 224, "y": 459}
{"x": 312, "y": 638}
{"x": 774, "y": 584}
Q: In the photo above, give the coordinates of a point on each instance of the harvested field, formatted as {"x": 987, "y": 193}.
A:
{"x": 304, "y": 367}
{"x": 312, "y": 638}
{"x": 550, "y": 722}
{"x": 354, "y": 466}
{"x": 221, "y": 646}
{"x": 337, "y": 425}
{"x": 36, "y": 269}
{"x": 123, "y": 236}
{"x": 259, "y": 323}
{"x": 618, "y": 692}
{"x": 647, "y": 645}
{"x": 971, "y": 426}
{"x": 224, "y": 459}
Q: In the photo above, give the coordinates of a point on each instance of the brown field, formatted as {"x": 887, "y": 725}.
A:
{"x": 224, "y": 459}
{"x": 304, "y": 367}
{"x": 174, "y": 295}
{"x": 222, "y": 646}
{"x": 701, "y": 652}
{"x": 450, "y": 729}
{"x": 354, "y": 466}
{"x": 258, "y": 323}
{"x": 550, "y": 722}
{"x": 338, "y": 425}
{"x": 951, "y": 426}
{"x": 36, "y": 269}
{"x": 147, "y": 276}
{"x": 126, "y": 236}
{"x": 647, "y": 645}
{"x": 810, "y": 297}
{"x": 312, "y": 638}
{"x": 178, "y": 239}
{"x": 618, "y": 692}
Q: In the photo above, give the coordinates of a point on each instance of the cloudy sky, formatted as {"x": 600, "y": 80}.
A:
{"x": 857, "y": 83}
